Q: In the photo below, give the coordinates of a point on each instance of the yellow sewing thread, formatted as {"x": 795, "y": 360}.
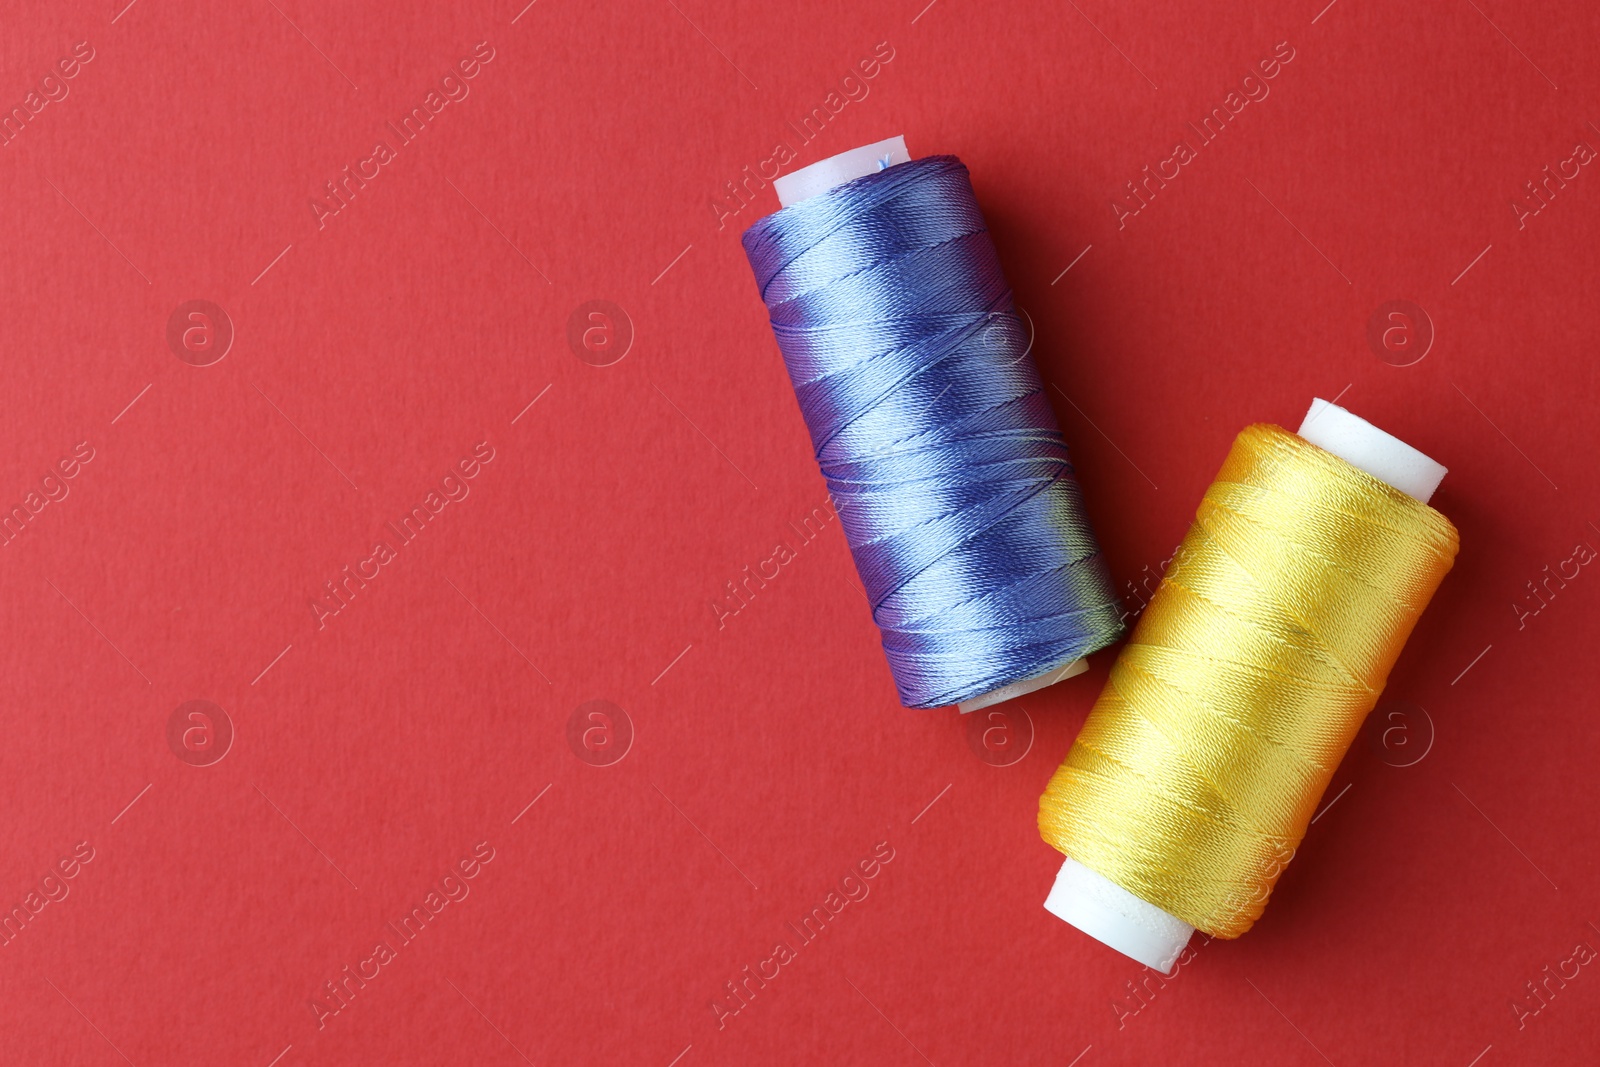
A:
{"x": 1265, "y": 646}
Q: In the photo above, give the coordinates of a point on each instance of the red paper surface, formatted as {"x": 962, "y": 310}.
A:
{"x": 385, "y": 341}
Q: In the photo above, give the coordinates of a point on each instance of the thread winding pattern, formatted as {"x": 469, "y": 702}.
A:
{"x": 930, "y": 424}
{"x": 1252, "y": 668}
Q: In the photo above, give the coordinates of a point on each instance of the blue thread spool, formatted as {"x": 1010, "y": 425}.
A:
{"x": 931, "y": 427}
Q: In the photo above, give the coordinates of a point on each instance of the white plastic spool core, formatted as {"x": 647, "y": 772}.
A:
{"x": 1361, "y": 444}
{"x": 819, "y": 177}
{"x": 1098, "y": 906}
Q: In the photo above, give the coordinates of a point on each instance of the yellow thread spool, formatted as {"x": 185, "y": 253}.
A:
{"x": 1252, "y": 668}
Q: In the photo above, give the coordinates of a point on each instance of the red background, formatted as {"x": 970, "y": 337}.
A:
{"x": 769, "y": 755}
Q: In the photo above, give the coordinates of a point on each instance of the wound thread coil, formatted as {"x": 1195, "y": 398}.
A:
{"x": 1267, "y": 643}
{"x": 930, "y": 424}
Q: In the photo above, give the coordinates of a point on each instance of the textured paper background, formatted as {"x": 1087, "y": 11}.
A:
{"x": 763, "y": 755}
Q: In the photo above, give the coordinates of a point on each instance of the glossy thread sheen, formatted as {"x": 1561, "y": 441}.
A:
{"x": 1265, "y": 646}
{"x": 932, "y": 429}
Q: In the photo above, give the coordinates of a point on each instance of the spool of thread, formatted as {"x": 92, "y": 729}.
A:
{"x": 931, "y": 426}
{"x": 1272, "y": 634}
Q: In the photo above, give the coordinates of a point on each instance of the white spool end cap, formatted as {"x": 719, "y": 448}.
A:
{"x": 819, "y": 177}
{"x": 1361, "y": 444}
{"x": 1113, "y": 916}
{"x": 1024, "y": 687}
